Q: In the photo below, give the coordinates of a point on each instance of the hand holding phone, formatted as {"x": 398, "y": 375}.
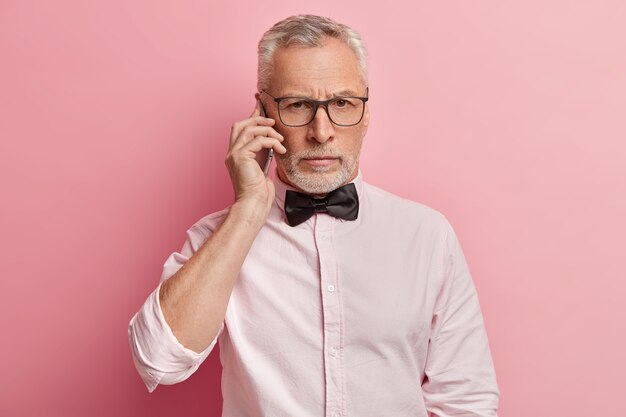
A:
{"x": 253, "y": 142}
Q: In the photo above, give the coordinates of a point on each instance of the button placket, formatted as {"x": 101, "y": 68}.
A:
{"x": 332, "y": 315}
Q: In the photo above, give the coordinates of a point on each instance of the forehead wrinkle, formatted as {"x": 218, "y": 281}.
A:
{"x": 318, "y": 73}
{"x": 341, "y": 93}
{"x": 319, "y": 93}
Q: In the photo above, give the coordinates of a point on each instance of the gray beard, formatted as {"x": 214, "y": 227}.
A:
{"x": 318, "y": 182}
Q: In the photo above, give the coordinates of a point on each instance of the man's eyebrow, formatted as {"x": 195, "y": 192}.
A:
{"x": 342, "y": 93}
{"x": 345, "y": 93}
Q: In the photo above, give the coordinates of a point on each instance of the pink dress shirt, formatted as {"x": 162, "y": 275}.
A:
{"x": 374, "y": 317}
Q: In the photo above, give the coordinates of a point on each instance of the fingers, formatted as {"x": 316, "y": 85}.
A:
{"x": 251, "y": 122}
{"x": 248, "y": 139}
{"x": 261, "y": 142}
{"x": 250, "y": 132}
{"x": 250, "y": 136}
{"x": 243, "y": 154}
{"x": 255, "y": 119}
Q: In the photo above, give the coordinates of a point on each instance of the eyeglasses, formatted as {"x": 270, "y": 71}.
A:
{"x": 300, "y": 111}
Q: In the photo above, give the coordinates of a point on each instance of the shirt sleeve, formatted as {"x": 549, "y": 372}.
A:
{"x": 460, "y": 379}
{"x": 158, "y": 356}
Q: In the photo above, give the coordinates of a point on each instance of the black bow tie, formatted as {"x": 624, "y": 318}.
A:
{"x": 342, "y": 202}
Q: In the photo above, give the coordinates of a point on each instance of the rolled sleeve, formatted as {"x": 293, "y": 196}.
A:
{"x": 460, "y": 377}
{"x": 158, "y": 356}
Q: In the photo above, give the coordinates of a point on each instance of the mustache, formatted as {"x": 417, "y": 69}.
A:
{"x": 318, "y": 152}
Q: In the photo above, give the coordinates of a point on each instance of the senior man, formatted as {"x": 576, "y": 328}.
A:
{"x": 328, "y": 296}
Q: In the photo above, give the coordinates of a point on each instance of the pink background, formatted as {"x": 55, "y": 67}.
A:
{"x": 114, "y": 118}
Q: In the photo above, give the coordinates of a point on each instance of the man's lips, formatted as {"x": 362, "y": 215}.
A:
{"x": 320, "y": 161}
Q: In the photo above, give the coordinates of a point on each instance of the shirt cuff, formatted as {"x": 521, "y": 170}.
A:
{"x": 158, "y": 356}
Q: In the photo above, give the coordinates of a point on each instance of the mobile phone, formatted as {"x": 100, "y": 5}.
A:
{"x": 264, "y": 156}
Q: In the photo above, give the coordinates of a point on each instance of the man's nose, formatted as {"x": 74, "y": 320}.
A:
{"x": 321, "y": 129}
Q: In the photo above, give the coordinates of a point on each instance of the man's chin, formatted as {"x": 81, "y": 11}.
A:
{"x": 316, "y": 181}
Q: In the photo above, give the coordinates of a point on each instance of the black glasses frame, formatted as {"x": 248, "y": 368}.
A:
{"x": 317, "y": 104}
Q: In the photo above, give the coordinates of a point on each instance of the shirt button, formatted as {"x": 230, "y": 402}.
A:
{"x": 331, "y": 288}
{"x": 333, "y": 352}
{"x": 336, "y": 414}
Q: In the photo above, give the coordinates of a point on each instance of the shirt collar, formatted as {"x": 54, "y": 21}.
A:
{"x": 281, "y": 187}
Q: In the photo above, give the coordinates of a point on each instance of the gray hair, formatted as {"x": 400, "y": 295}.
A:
{"x": 305, "y": 30}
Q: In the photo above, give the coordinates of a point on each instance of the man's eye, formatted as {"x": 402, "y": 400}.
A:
{"x": 299, "y": 105}
{"x": 342, "y": 103}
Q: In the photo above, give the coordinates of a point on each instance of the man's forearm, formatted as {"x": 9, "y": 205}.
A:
{"x": 194, "y": 300}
